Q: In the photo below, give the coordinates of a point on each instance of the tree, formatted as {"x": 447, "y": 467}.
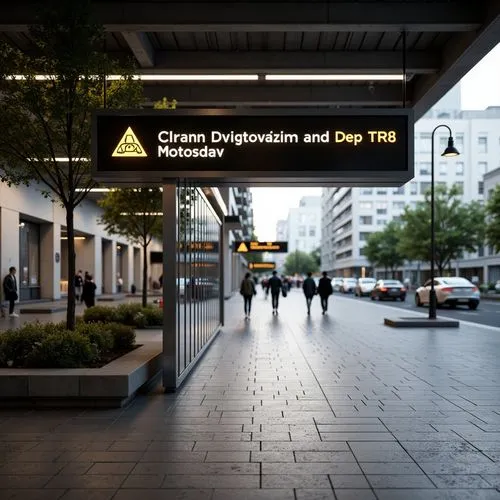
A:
{"x": 300, "y": 263}
{"x": 493, "y": 224}
{"x": 316, "y": 255}
{"x": 458, "y": 228}
{"x": 42, "y": 120}
{"x": 135, "y": 214}
{"x": 382, "y": 248}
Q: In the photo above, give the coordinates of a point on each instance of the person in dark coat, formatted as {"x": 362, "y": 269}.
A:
{"x": 10, "y": 290}
{"x": 88, "y": 293}
{"x": 309, "y": 287}
{"x": 78, "y": 282}
{"x": 275, "y": 285}
{"x": 247, "y": 289}
{"x": 324, "y": 291}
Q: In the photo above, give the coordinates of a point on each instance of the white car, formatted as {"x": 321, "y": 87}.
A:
{"x": 348, "y": 285}
{"x": 364, "y": 286}
{"x": 451, "y": 291}
{"x": 336, "y": 284}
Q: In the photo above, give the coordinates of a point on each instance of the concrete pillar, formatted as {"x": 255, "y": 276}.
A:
{"x": 127, "y": 267}
{"x": 109, "y": 274}
{"x": 50, "y": 261}
{"x": 227, "y": 260}
{"x": 89, "y": 258}
{"x": 486, "y": 278}
{"x": 9, "y": 240}
{"x": 138, "y": 268}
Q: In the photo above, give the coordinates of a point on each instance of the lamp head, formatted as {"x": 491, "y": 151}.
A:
{"x": 451, "y": 150}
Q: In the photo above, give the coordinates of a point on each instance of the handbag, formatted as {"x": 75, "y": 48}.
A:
{"x": 284, "y": 291}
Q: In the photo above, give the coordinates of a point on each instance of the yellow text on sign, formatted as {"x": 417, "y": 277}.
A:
{"x": 382, "y": 136}
{"x": 349, "y": 138}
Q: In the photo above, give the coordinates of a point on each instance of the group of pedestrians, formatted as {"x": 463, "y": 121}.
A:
{"x": 277, "y": 287}
{"x": 85, "y": 288}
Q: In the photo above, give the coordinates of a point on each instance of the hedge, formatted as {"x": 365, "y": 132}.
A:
{"x": 126, "y": 314}
{"x": 51, "y": 345}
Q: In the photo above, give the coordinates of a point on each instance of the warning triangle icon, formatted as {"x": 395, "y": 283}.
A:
{"x": 242, "y": 247}
{"x": 129, "y": 146}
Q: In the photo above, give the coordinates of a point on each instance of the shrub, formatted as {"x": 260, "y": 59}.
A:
{"x": 123, "y": 336}
{"x": 98, "y": 334}
{"x": 62, "y": 350}
{"x": 101, "y": 314}
{"x": 125, "y": 313}
{"x": 153, "y": 315}
{"x": 15, "y": 345}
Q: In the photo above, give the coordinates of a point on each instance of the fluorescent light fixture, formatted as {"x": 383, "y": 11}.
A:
{"x": 95, "y": 190}
{"x": 161, "y": 77}
{"x": 335, "y": 77}
{"x": 61, "y": 159}
{"x": 142, "y": 213}
{"x": 76, "y": 238}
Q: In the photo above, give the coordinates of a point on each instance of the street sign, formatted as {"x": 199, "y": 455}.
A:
{"x": 262, "y": 266}
{"x": 268, "y": 147}
{"x": 260, "y": 246}
{"x": 199, "y": 246}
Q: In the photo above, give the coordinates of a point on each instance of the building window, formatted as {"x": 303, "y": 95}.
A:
{"x": 398, "y": 205}
{"x": 361, "y": 252}
{"x": 381, "y": 211}
{"x": 460, "y": 186}
{"x": 413, "y": 188}
{"x": 366, "y": 204}
{"x": 366, "y": 220}
{"x": 425, "y": 168}
{"x": 459, "y": 168}
{"x": 364, "y": 236}
{"x": 443, "y": 168}
{"x": 29, "y": 260}
{"x": 425, "y": 142}
{"x": 399, "y": 190}
{"x": 459, "y": 142}
{"x": 382, "y": 191}
{"x": 424, "y": 187}
{"x": 480, "y": 187}
{"x": 381, "y": 204}
{"x": 483, "y": 167}
{"x": 312, "y": 231}
{"x": 482, "y": 143}
{"x": 367, "y": 192}
{"x": 302, "y": 231}
{"x": 381, "y": 222}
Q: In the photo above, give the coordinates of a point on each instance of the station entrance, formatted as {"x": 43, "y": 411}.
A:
{"x": 191, "y": 153}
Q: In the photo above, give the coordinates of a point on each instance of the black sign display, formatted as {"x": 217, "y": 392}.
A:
{"x": 254, "y": 147}
{"x": 260, "y": 246}
{"x": 262, "y": 266}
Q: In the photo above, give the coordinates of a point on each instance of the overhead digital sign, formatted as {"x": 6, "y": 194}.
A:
{"x": 260, "y": 246}
{"x": 254, "y": 147}
{"x": 262, "y": 266}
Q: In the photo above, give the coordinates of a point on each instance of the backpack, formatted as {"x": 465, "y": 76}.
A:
{"x": 247, "y": 287}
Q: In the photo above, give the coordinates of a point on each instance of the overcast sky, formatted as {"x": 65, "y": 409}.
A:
{"x": 480, "y": 89}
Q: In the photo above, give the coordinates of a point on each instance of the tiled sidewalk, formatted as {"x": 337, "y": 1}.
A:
{"x": 287, "y": 407}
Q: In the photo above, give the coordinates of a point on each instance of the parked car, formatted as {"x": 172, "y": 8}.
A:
{"x": 348, "y": 285}
{"x": 451, "y": 291}
{"x": 336, "y": 284}
{"x": 364, "y": 286}
{"x": 388, "y": 289}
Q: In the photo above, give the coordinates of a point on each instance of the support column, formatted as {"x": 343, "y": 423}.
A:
{"x": 109, "y": 255}
{"x": 9, "y": 240}
{"x": 227, "y": 259}
{"x": 128, "y": 267}
{"x": 96, "y": 269}
{"x": 50, "y": 265}
{"x": 169, "y": 288}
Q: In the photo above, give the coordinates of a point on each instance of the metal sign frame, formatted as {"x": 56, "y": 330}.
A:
{"x": 211, "y": 176}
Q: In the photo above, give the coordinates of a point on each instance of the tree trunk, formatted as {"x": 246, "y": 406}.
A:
{"x": 70, "y": 312}
{"x": 145, "y": 275}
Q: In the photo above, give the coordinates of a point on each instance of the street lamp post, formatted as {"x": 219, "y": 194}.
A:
{"x": 448, "y": 152}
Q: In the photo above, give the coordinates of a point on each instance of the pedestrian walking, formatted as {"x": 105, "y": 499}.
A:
{"x": 247, "y": 289}
{"x": 324, "y": 291}
{"x": 89, "y": 288}
{"x": 309, "y": 287}
{"x": 10, "y": 291}
{"x": 78, "y": 282}
{"x": 275, "y": 285}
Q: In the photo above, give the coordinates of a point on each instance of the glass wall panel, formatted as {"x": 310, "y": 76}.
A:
{"x": 29, "y": 261}
{"x": 198, "y": 273}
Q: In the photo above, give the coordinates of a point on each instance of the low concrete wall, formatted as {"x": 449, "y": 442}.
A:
{"x": 112, "y": 386}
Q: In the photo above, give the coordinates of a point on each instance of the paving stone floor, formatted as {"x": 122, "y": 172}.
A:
{"x": 284, "y": 407}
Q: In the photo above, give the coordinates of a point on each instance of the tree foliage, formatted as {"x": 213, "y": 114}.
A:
{"x": 43, "y": 120}
{"x": 136, "y": 215}
{"x": 458, "y": 227}
{"x": 493, "y": 223}
{"x": 300, "y": 263}
{"x": 382, "y": 247}
{"x": 316, "y": 255}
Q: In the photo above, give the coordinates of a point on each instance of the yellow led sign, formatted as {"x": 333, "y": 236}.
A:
{"x": 260, "y": 246}
{"x": 262, "y": 266}
{"x": 129, "y": 146}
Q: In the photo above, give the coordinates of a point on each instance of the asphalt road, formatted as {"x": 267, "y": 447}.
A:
{"x": 488, "y": 312}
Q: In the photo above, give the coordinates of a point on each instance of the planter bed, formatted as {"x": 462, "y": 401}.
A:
{"x": 111, "y": 386}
